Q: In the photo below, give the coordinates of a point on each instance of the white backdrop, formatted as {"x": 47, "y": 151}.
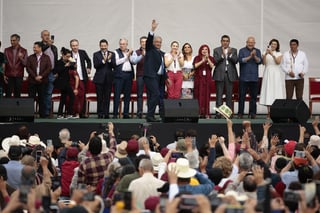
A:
{"x": 197, "y": 22}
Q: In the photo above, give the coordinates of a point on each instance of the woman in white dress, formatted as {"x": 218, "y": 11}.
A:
{"x": 272, "y": 82}
{"x": 187, "y": 71}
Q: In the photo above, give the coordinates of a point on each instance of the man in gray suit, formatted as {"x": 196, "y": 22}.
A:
{"x": 225, "y": 72}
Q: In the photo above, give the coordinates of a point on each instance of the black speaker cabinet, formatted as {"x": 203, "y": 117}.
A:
{"x": 181, "y": 110}
{"x": 16, "y": 110}
{"x": 284, "y": 111}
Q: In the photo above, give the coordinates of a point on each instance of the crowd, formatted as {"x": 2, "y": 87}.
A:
{"x": 237, "y": 172}
{"x": 173, "y": 75}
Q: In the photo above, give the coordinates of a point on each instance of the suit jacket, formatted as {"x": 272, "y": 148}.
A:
{"x": 220, "y": 67}
{"x": 153, "y": 59}
{"x": 45, "y": 68}
{"x": 85, "y": 63}
{"x": 104, "y": 71}
{"x": 15, "y": 68}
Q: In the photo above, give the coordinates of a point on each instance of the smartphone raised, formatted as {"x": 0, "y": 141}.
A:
{"x": 38, "y": 155}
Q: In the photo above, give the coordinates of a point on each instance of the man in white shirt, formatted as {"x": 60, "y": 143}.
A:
{"x": 146, "y": 185}
{"x": 122, "y": 78}
{"x": 295, "y": 65}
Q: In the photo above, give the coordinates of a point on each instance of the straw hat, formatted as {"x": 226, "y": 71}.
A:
{"x": 156, "y": 160}
{"x": 314, "y": 141}
{"x": 224, "y": 110}
{"x": 35, "y": 141}
{"x": 183, "y": 168}
{"x": 121, "y": 150}
{"x": 14, "y": 140}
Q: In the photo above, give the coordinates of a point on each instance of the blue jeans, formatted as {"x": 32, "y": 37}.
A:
{"x": 252, "y": 86}
{"x": 48, "y": 95}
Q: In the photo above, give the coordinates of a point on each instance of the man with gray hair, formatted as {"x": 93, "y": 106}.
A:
{"x": 146, "y": 185}
{"x": 154, "y": 73}
{"x": 144, "y": 147}
{"x": 244, "y": 169}
{"x": 123, "y": 75}
{"x": 65, "y": 142}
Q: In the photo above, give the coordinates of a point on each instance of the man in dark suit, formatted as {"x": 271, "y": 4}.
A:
{"x": 154, "y": 73}
{"x": 225, "y": 72}
{"x": 103, "y": 63}
{"x": 38, "y": 68}
{"x": 83, "y": 68}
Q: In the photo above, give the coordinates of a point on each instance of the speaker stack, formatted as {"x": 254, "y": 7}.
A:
{"x": 285, "y": 110}
{"x": 181, "y": 110}
{"x": 16, "y": 110}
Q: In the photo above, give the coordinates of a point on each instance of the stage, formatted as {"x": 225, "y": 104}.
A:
{"x": 80, "y": 128}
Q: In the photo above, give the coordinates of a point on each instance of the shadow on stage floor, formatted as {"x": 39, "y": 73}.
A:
{"x": 81, "y": 128}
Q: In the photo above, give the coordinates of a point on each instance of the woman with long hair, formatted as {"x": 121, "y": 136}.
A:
{"x": 188, "y": 72}
{"x": 174, "y": 62}
{"x": 203, "y": 64}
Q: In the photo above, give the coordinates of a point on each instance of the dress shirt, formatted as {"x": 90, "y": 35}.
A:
{"x": 144, "y": 187}
{"x": 135, "y": 58}
{"x": 296, "y": 62}
{"x": 126, "y": 67}
{"x": 76, "y": 57}
{"x": 50, "y": 53}
{"x": 14, "y": 169}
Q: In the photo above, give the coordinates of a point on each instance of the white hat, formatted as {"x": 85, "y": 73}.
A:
{"x": 224, "y": 110}
{"x": 156, "y": 160}
{"x": 14, "y": 140}
{"x": 241, "y": 197}
{"x": 183, "y": 168}
{"x": 314, "y": 141}
{"x": 35, "y": 141}
{"x": 121, "y": 150}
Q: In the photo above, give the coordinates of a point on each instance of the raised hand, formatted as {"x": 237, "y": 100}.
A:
{"x": 154, "y": 25}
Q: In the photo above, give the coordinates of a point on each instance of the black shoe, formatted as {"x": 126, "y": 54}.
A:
{"x": 126, "y": 117}
{"x": 106, "y": 117}
{"x": 100, "y": 116}
{"x": 240, "y": 116}
{"x": 115, "y": 117}
{"x": 139, "y": 115}
{"x": 152, "y": 119}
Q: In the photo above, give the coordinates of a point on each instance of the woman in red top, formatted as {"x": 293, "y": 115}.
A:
{"x": 78, "y": 90}
{"x": 203, "y": 64}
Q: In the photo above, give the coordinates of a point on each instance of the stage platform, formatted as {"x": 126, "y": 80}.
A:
{"x": 81, "y": 128}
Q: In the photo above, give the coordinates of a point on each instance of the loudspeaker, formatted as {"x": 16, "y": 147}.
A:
{"x": 181, "y": 110}
{"x": 284, "y": 111}
{"x": 16, "y": 110}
